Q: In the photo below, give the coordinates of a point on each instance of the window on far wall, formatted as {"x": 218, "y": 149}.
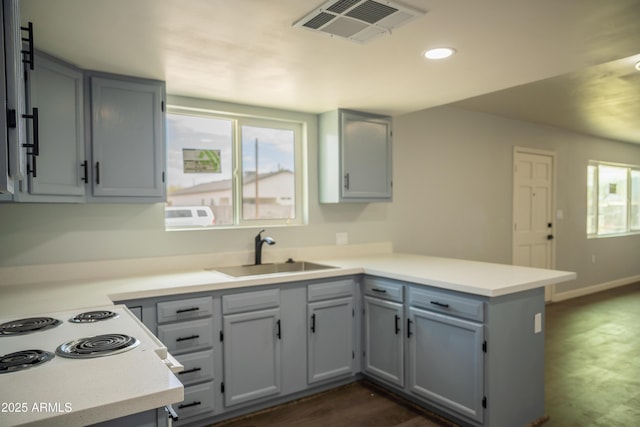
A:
{"x": 613, "y": 199}
{"x": 247, "y": 171}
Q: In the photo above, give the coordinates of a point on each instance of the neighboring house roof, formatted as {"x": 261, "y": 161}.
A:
{"x": 210, "y": 187}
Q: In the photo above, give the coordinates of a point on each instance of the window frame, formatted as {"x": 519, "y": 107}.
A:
{"x": 301, "y": 191}
{"x": 594, "y": 233}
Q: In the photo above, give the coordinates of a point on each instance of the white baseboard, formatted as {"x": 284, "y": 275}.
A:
{"x": 588, "y": 290}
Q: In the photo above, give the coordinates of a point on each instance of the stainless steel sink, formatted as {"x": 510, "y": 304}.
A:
{"x": 282, "y": 267}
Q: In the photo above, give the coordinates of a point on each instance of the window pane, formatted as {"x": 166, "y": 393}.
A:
{"x": 635, "y": 200}
{"x": 612, "y": 199}
{"x": 268, "y": 173}
{"x": 592, "y": 196}
{"x": 199, "y": 168}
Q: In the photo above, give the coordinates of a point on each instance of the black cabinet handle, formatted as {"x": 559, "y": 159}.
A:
{"x": 192, "y": 337}
{"x": 382, "y": 291}
{"x": 440, "y": 304}
{"x": 98, "y": 173}
{"x": 409, "y": 333}
{"x": 35, "y": 145}
{"x": 279, "y": 333}
{"x": 186, "y": 310}
{"x": 550, "y": 237}
{"x": 85, "y": 172}
{"x": 189, "y": 371}
{"x": 313, "y": 323}
{"x": 346, "y": 181}
{"x": 30, "y": 51}
{"x": 188, "y": 405}
{"x": 397, "y": 324}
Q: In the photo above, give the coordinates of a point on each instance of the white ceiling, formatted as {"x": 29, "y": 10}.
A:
{"x": 247, "y": 51}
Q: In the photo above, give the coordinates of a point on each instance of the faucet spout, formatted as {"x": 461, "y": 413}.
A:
{"x": 259, "y": 241}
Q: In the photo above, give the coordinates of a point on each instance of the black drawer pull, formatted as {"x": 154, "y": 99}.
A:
{"x": 397, "y": 324}
{"x": 440, "y": 304}
{"x": 185, "y": 310}
{"x": 409, "y": 333}
{"x": 192, "y": 337}
{"x": 382, "y": 291}
{"x": 189, "y": 371}
{"x": 188, "y": 405}
{"x": 85, "y": 172}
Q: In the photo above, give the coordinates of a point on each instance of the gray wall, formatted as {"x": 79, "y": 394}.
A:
{"x": 452, "y": 197}
{"x": 59, "y": 233}
{"x": 453, "y": 191}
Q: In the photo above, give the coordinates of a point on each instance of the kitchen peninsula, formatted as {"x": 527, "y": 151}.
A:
{"x": 481, "y": 323}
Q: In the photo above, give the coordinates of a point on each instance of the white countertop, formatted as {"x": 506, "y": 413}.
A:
{"x": 479, "y": 278}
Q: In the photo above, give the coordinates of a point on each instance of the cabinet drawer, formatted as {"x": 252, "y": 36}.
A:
{"x": 185, "y": 309}
{"x": 385, "y": 289}
{"x": 187, "y": 336}
{"x": 197, "y": 400}
{"x": 322, "y": 291}
{"x": 446, "y": 303}
{"x": 250, "y": 301}
{"x": 197, "y": 367}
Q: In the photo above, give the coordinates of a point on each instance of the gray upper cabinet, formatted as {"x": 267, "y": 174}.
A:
{"x": 12, "y": 123}
{"x": 355, "y": 163}
{"x": 56, "y": 90}
{"x": 127, "y": 139}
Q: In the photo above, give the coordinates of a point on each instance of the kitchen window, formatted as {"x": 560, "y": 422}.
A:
{"x": 247, "y": 171}
{"x": 613, "y": 199}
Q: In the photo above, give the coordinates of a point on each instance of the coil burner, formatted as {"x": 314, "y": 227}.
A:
{"x": 93, "y": 316}
{"x": 26, "y": 326}
{"x": 97, "y": 346}
{"x": 21, "y": 360}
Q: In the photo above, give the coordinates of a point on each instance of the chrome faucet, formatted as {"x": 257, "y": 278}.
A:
{"x": 259, "y": 242}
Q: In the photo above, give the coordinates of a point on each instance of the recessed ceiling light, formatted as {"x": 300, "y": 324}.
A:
{"x": 439, "y": 53}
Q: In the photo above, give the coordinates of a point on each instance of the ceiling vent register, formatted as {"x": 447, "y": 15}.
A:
{"x": 357, "y": 20}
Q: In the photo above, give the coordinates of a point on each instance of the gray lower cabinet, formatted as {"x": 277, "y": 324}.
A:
{"x": 252, "y": 346}
{"x": 252, "y": 356}
{"x": 475, "y": 359}
{"x": 186, "y": 327}
{"x": 446, "y": 361}
{"x": 384, "y": 340}
{"x": 331, "y": 323}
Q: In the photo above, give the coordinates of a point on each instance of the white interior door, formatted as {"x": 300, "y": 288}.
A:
{"x": 533, "y": 206}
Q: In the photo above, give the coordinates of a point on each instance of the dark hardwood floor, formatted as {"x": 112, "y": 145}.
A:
{"x": 592, "y": 376}
{"x": 355, "y": 405}
{"x": 592, "y": 360}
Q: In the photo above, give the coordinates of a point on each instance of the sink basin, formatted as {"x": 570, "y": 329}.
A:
{"x": 282, "y": 267}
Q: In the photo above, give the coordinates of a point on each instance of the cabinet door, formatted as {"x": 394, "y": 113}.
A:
{"x": 384, "y": 340}
{"x": 251, "y": 356}
{"x": 330, "y": 339}
{"x": 446, "y": 361}
{"x": 127, "y": 138}
{"x": 55, "y": 89}
{"x": 366, "y": 157}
